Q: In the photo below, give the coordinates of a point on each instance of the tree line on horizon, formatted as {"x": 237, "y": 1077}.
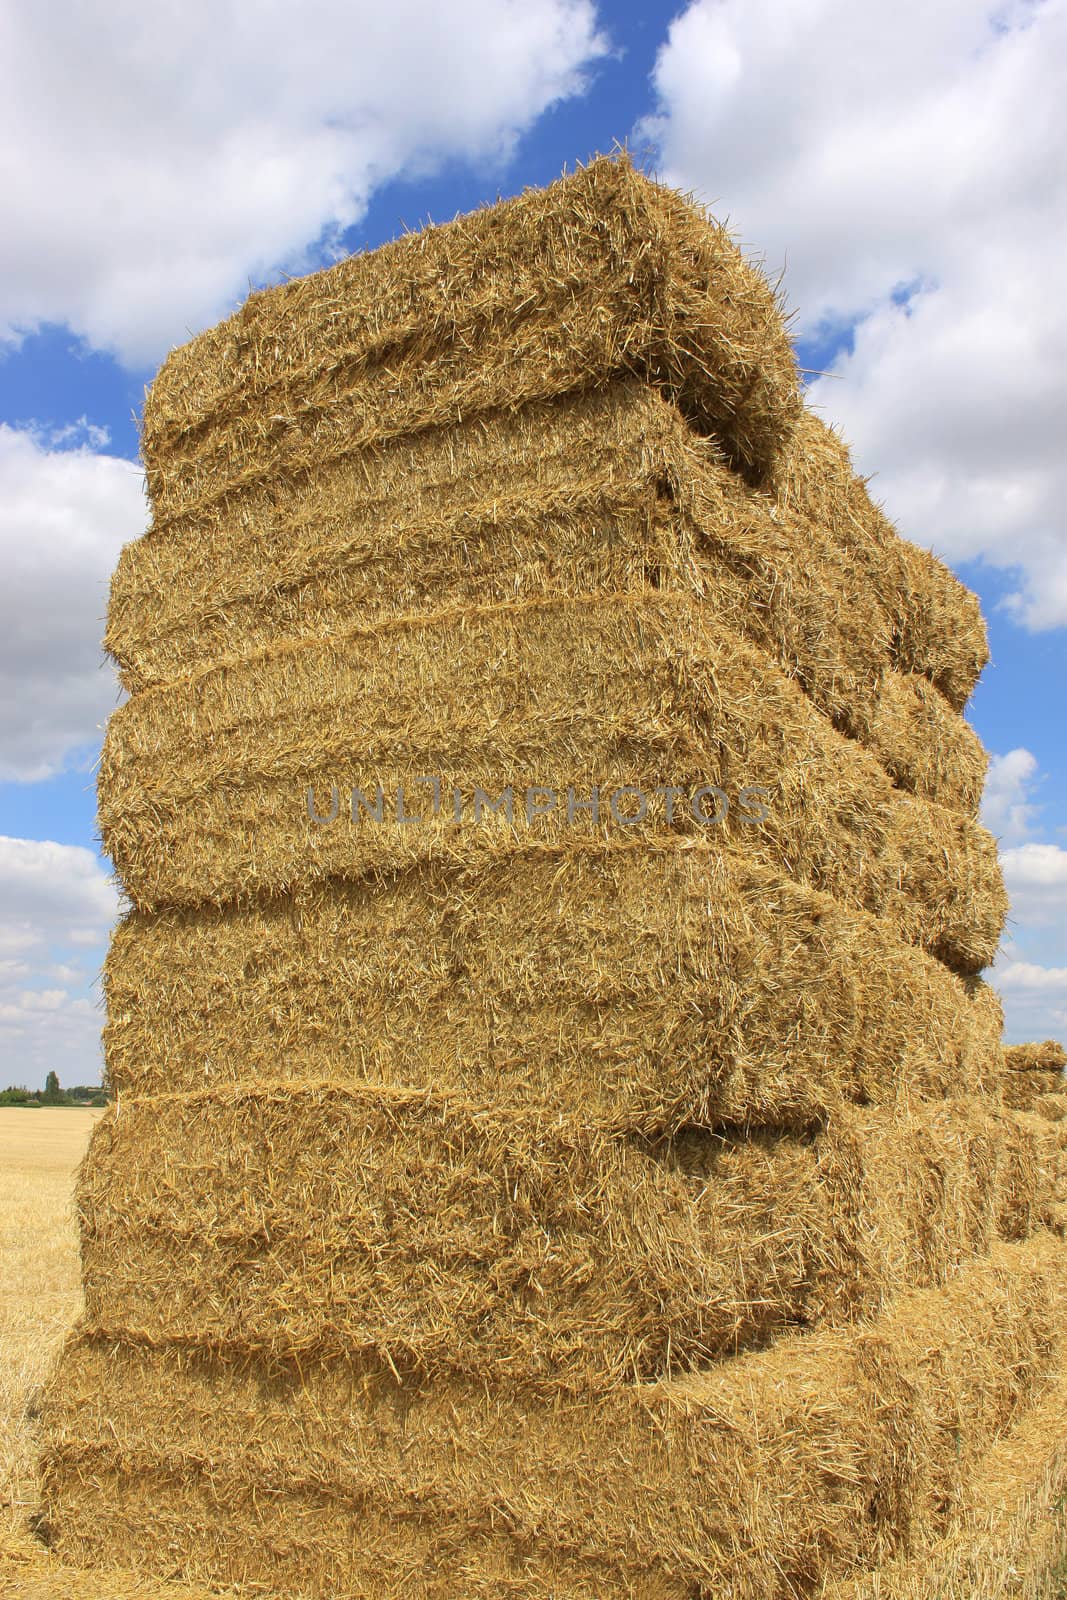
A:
{"x": 91, "y": 1094}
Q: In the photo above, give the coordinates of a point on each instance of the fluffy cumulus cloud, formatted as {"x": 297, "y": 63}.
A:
{"x": 903, "y": 165}
{"x": 1036, "y": 876}
{"x": 1008, "y": 808}
{"x": 1034, "y": 996}
{"x": 65, "y": 511}
{"x": 1031, "y": 968}
{"x": 153, "y": 157}
{"x": 56, "y": 907}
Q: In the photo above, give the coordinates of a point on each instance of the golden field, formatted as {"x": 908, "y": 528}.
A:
{"x": 40, "y": 1297}
{"x": 40, "y": 1292}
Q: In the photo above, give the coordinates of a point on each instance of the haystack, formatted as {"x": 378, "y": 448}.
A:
{"x": 562, "y": 1144}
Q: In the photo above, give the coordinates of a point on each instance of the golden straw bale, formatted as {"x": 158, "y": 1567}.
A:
{"x": 599, "y": 275}
{"x": 939, "y": 632}
{"x": 925, "y": 746}
{"x": 1023, "y": 1089}
{"x": 599, "y": 492}
{"x": 1047, "y": 1057}
{"x": 35, "y": 1574}
{"x": 573, "y": 496}
{"x": 763, "y": 1477}
{"x": 1009, "y": 1531}
{"x": 1048, "y": 1140}
{"x": 204, "y": 784}
{"x": 653, "y": 987}
{"x": 325, "y": 1220}
{"x": 1053, "y": 1107}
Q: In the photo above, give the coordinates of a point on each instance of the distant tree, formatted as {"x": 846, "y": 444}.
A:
{"x": 18, "y": 1096}
{"x": 53, "y": 1094}
{"x": 88, "y": 1094}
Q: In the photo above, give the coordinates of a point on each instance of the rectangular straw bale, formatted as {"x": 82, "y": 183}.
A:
{"x": 926, "y": 747}
{"x": 1022, "y": 1089}
{"x": 599, "y": 275}
{"x": 1053, "y": 1107}
{"x": 203, "y": 784}
{"x": 939, "y": 631}
{"x": 571, "y": 496}
{"x": 603, "y": 492}
{"x": 1047, "y": 1057}
{"x": 921, "y": 1188}
{"x": 1009, "y": 1531}
{"x": 30, "y": 1572}
{"x": 1048, "y": 1140}
{"x": 653, "y": 987}
{"x": 322, "y": 1219}
{"x": 598, "y": 492}
{"x": 762, "y": 1478}
{"x": 1053, "y": 1137}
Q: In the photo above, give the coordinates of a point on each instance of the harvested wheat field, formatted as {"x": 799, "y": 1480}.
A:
{"x": 40, "y": 1298}
{"x": 564, "y": 1147}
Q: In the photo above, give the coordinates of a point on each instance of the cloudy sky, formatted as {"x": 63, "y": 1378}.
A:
{"x": 901, "y": 164}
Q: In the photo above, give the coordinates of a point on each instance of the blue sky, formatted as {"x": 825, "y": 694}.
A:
{"x": 902, "y": 166}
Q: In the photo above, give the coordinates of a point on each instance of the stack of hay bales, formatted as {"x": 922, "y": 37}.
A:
{"x": 1034, "y": 1085}
{"x": 1034, "y": 1078}
{"x": 601, "y": 1184}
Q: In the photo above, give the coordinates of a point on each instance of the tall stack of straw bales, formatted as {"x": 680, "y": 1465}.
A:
{"x": 561, "y": 1193}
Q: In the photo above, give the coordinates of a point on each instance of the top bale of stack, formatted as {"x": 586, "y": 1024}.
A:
{"x": 1049, "y": 1056}
{"x": 602, "y": 274}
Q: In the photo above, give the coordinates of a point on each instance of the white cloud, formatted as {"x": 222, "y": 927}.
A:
{"x": 1027, "y": 975}
{"x": 871, "y": 150}
{"x": 1007, "y": 808}
{"x": 49, "y": 1015}
{"x": 64, "y": 516}
{"x": 153, "y": 158}
{"x": 49, "y": 892}
{"x": 1036, "y": 877}
{"x": 1031, "y": 969}
{"x": 1035, "y": 1000}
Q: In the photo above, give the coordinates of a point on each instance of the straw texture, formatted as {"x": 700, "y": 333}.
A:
{"x": 303, "y": 1219}
{"x": 789, "y": 1467}
{"x": 563, "y": 1143}
{"x": 601, "y": 274}
{"x": 205, "y": 784}
{"x": 606, "y": 491}
{"x": 649, "y": 987}
{"x": 1009, "y": 1532}
{"x": 938, "y": 627}
{"x": 1049, "y": 1057}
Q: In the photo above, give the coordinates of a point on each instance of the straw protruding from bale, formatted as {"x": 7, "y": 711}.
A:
{"x": 652, "y": 987}
{"x": 326, "y": 1220}
{"x": 778, "y": 1471}
{"x": 209, "y": 786}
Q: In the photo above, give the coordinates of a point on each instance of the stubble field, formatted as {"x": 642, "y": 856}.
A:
{"x": 40, "y": 1297}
